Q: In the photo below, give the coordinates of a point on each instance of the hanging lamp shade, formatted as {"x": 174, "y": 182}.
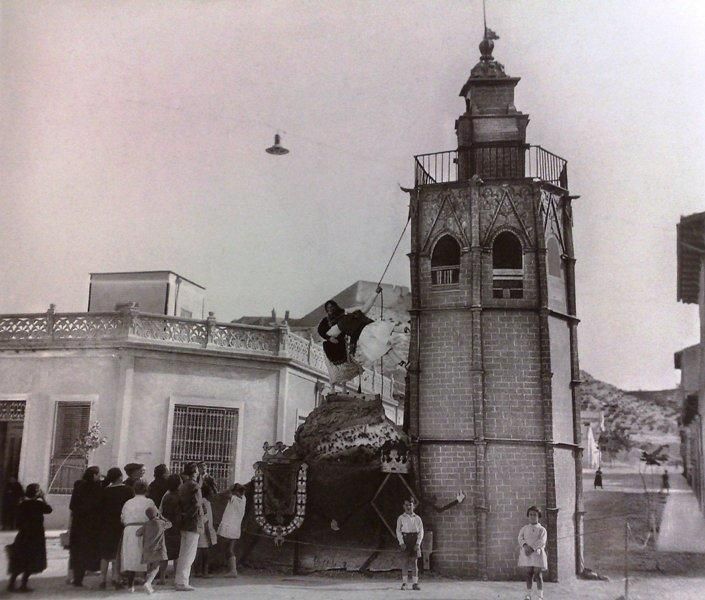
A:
{"x": 277, "y": 149}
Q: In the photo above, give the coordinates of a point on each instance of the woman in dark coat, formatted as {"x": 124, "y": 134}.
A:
{"x": 29, "y": 552}
{"x": 115, "y": 494}
{"x": 86, "y": 515}
{"x": 12, "y": 495}
{"x": 158, "y": 487}
{"x": 364, "y": 339}
{"x": 170, "y": 511}
{"x": 340, "y": 369}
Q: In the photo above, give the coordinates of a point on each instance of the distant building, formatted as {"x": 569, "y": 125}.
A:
{"x": 691, "y": 290}
{"x": 688, "y": 362}
{"x": 157, "y": 292}
{"x": 165, "y": 388}
{"x": 593, "y": 424}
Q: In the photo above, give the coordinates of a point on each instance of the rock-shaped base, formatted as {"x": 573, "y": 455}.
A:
{"x": 349, "y": 427}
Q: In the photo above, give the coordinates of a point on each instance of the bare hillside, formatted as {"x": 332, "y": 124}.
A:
{"x": 648, "y": 417}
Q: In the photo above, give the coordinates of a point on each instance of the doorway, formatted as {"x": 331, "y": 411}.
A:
{"x": 11, "y": 429}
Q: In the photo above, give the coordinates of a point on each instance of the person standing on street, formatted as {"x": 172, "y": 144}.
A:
{"x": 532, "y": 551}
{"x": 665, "y": 483}
{"x": 12, "y": 494}
{"x": 598, "y": 478}
{"x": 86, "y": 525}
{"x": 28, "y": 553}
{"x": 115, "y": 495}
{"x": 190, "y": 525}
{"x": 153, "y": 544}
{"x": 230, "y": 527}
{"x": 410, "y": 536}
{"x": 159, "y": 486}
{"x": 169, "y": 509}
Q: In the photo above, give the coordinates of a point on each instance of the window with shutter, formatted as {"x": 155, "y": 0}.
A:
{"x": 72, "y": 420}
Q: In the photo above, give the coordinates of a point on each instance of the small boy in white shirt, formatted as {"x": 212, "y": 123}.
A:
{"x": 410, "y": 535}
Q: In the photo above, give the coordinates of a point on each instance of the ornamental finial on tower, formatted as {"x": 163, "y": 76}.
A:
{"x": 488, "y": 66}
{"x": 487, "y": 45}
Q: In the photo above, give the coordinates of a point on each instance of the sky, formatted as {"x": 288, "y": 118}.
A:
{"x": 132, "y": 137}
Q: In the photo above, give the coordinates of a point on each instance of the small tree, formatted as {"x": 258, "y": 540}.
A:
{"x": 615, "y": 439}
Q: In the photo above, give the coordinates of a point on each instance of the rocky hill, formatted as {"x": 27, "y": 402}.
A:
{"x": 648, "y": 417}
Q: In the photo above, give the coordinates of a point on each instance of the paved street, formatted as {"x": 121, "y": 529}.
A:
{"x": 259, "y": 586}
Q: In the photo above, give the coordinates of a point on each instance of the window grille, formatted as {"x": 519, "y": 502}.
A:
{"x": 208, "y": 434}
{"x": 66, "y": 465}
{"x": 12, "y": 410}
{"x": 445, "y": 262}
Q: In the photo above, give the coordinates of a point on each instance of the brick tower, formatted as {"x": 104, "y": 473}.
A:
{"x": 493, "y": 360}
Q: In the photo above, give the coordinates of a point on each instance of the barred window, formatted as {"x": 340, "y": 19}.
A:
{"x": 445, "y": 262}
{"x": 67, "y": 465}
{"x": 507, "y": 266}
{"x": 12, "y": 410}
{"x": 208, "y": 434}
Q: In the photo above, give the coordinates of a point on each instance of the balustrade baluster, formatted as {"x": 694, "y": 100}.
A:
{"x": 210, "y": 326}
{"x": 283, "y": 339}
{"x": 50, "y": 320}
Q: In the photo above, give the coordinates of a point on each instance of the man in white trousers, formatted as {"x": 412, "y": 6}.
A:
{"x": 191, "y": 526}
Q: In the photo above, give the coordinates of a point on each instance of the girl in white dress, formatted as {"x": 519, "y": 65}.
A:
{"x": 532, "y": 551}
{"x": 133, "y": 516}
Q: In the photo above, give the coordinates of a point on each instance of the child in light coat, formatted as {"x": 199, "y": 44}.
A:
{"x": 532, "y": 551}
{"x": 153, "y": 544}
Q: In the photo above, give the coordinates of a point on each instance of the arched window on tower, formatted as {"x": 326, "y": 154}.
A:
{"x": 507, "y": 266}
{"x": 445, "y": 262}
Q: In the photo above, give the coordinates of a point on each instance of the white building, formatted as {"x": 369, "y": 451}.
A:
{"x": 593, "y": 424}
{"x": 165, "y": 389}
{"x": 156, "y": 292}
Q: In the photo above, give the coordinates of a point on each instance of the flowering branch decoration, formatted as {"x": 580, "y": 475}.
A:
{"x": 89, "y": 441}
{"x": 83, "y": 445}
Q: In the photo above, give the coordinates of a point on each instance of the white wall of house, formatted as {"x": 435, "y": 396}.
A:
{"x": 132, "y": 393}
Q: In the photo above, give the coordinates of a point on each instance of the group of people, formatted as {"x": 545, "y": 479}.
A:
{"x": 138, "y": 528}
{"x": 133, "y": 528}
{"x": 532, "y": 548}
